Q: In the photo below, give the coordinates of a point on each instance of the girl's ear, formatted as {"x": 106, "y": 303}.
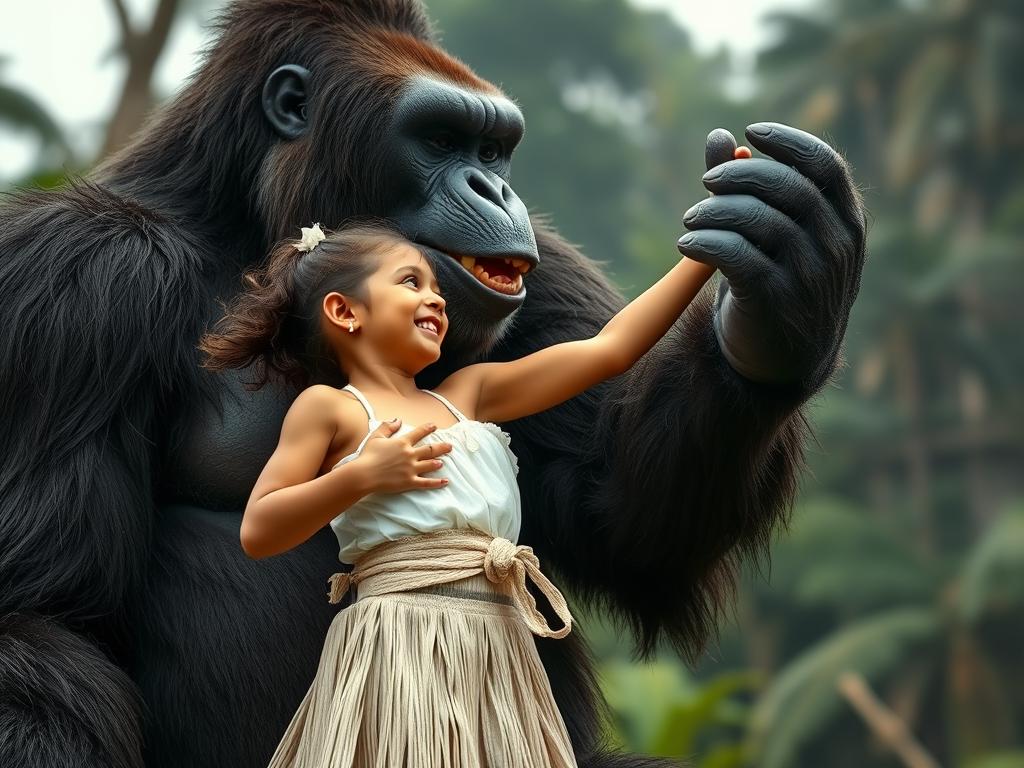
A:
{"x": 339, "y": 310}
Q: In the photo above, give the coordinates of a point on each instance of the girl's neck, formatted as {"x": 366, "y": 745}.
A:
{"x": 384, "y": 382}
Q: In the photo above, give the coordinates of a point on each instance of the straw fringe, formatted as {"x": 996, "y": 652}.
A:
{"x": 425, "y": 680}
{"x": 414, "y": 679}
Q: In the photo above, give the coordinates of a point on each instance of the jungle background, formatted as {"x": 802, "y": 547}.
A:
{"x": 887, "y": 629}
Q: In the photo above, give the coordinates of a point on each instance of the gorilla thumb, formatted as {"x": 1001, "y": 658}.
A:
{"x": 720, "y": 148}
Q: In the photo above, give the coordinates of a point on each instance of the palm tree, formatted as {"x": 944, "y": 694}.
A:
{"x": 943, "y": 653}
{"x": 21, "y": 112}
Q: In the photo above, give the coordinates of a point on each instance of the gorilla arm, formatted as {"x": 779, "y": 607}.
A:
{"x": 654, "y": 485}
{"x": 93, "y": 291}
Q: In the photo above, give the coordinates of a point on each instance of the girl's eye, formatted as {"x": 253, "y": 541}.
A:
{"x": 410, "y": 277}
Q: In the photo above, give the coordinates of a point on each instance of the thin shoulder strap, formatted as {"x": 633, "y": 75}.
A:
{"x": 452, "y": 408}
{"x": 366, "y": 405}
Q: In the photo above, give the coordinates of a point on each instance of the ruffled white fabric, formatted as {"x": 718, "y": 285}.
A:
{"x": 463, "y": 430}
{"x": 482, "y": 492}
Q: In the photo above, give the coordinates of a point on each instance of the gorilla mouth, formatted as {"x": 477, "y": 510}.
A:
{"x": 502, "y": 274}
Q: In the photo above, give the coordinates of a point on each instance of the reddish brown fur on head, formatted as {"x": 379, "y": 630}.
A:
{"x": 214, "y": 146}
{"x": 397, "y": 55}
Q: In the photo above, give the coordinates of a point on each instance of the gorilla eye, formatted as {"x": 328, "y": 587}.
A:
{"x": 489, "y": 152}
{"x": 444, "y": 141}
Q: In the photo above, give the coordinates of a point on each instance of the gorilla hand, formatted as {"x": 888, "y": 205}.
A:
{"x": 788, "y": 236}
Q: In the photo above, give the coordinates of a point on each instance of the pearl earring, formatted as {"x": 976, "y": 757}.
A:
{"x": 350, "y": 328}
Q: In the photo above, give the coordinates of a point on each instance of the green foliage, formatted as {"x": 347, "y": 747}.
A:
{"x": 823, "y": 554}
{"x": 711, "y": 706}
{"x": 660, "y": 710}
{"x": 993, "y": 573}
{"x": 1000, "y": 760}
{"x": 802, "y": 700}
{"x": 22, "y": 113}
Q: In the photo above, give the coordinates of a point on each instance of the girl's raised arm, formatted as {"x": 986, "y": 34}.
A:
{"x": 536, "y": 382}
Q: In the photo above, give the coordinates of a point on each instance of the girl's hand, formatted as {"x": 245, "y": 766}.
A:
{"x": 396, "y": 463}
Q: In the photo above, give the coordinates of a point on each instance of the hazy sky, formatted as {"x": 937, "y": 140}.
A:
{"x": 55, "y": 51}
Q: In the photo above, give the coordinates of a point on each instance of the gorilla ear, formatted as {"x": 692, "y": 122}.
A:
{"x": 284, "y": 100}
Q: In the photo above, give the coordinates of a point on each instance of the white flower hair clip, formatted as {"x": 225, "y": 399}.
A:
{"x": 311, "y": 237}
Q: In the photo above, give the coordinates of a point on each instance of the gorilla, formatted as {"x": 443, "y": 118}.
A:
{"x": 133, "y": 628}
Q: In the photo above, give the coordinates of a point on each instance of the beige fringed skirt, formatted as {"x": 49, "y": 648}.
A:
{"x": 434, "y": 664}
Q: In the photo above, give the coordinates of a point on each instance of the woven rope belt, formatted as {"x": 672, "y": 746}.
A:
{"x": 439, "y": 557}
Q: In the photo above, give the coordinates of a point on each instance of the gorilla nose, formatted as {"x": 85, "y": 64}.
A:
{"x": 496, "y": 192}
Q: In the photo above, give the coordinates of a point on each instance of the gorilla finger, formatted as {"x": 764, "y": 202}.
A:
{"x": 812, "y": 157}
{"x": 778, "y": 185}
{"x": 719, "y": 148}
{"x": 784, "y": 189}
{"x": 736, "y": 258}
{"x": 768, "y": 229}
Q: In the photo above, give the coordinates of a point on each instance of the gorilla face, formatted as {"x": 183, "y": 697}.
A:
{"x": 448, "y": 155}
{"x": 440, "y": 174}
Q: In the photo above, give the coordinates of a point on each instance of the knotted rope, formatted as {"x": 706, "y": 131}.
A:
{"x": 439, "y": 557}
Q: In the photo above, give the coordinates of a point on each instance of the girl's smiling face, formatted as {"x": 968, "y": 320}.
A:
{"x": 408, "y": 318}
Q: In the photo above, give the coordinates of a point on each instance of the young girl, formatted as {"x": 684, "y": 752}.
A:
{"x": 433, "y": 664}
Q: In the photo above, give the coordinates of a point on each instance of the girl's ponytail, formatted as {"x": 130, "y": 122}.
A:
{"x": 274, "y": 324}
{"x": 253, "y": 328}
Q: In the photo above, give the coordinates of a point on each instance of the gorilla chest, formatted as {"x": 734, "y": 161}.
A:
{"x": 219, "y": 451}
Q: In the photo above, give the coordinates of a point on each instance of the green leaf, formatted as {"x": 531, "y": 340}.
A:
{"x": 803, "y": 699}
{"x": 993, "y": 575}
{"x": 709, "y": 707}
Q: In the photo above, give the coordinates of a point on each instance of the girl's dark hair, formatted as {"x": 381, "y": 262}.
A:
{"x": 274, "y": 325}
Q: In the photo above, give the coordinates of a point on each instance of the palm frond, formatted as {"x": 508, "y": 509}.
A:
{"x": 992, "y": 578}
{"x": 803, "y": 699}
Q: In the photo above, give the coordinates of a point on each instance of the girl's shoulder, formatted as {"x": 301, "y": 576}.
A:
{"x": 461, "y": 389}
{"x": 344, "y": 414}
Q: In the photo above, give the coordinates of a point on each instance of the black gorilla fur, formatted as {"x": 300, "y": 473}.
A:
{"x": 133, "y": 629}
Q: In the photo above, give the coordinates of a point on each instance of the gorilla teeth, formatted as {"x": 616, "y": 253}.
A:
{"x": 469, "y": 262}
{"x": 500, "y": 282}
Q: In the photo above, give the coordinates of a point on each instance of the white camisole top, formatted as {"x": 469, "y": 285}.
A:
{"x": 482, "y": 490}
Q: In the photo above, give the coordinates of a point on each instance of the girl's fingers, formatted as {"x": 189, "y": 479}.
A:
{"x": 428, "y": 465}
{"x": 431, "y": 450}
{"x": 430, "y": 482}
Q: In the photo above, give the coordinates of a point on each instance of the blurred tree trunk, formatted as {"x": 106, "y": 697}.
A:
{"x": 910, "y": 398}
{"x": 972, "y": 393}
{"x": 141, "y": 51}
